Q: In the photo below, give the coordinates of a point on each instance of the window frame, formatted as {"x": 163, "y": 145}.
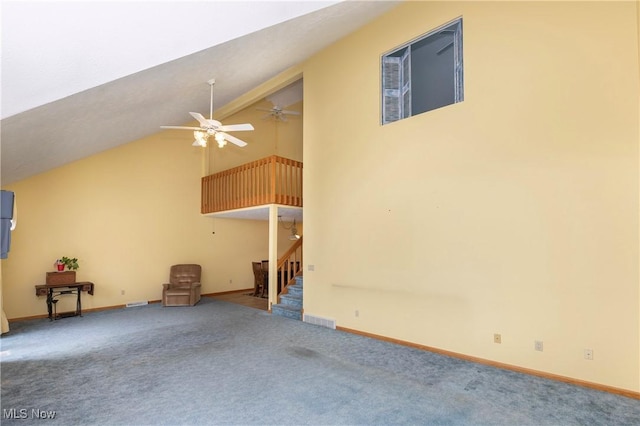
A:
{"x": 387, "y": 93}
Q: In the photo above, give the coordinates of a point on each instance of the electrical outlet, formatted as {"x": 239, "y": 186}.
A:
{"x": 497, "y": 338}
{"x": 230, "y": 281}
{"x": 538, "y": 345}
{"x": 311, "y": 268}
{"x": 121, "y": 292}
{"x": 357, "y": 313}
{"x": 588, "y": 354}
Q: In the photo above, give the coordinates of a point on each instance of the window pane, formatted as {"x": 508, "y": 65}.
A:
{"x": 406, "y": 84}
{"x": 391, "y": 87}
{"x": 433, "y": 72}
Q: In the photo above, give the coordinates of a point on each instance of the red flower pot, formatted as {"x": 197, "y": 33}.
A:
{"x": 60, "y": 267}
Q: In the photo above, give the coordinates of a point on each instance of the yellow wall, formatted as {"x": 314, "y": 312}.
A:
{"x": 269, "y": 137}
{"x": 128, "y": 214}
{"x": 513, "y": 212}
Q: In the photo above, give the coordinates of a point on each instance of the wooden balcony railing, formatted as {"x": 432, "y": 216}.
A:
{"x": 271, "y": 180}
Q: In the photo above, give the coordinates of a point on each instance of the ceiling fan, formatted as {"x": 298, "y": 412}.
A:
{"x": 210, "y": 127}
{"x": 277, "y": 113}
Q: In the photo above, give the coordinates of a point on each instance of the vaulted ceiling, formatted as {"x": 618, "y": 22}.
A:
{"x": 81, "y": 77}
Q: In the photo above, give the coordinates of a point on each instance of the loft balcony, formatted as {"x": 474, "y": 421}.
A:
{"x": 270, "y": 180}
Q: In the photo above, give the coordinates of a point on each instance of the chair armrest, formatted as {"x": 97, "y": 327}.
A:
{"x": 196, "y": 284}
{"x": 166, "y": 286}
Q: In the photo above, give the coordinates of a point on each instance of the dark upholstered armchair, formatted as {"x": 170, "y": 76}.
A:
{"x": 184, "y": 286}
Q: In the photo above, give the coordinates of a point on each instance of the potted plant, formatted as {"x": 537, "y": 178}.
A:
{"x": 59, "y": 265}
{"x": 70, "y": 263}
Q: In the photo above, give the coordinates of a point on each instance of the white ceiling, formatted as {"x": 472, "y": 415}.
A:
{"x": 80, "y": 77}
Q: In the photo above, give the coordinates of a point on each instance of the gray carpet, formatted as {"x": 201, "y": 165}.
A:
{"x": 220, "y": 363}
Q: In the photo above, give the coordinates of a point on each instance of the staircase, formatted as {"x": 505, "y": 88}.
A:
{"x": 290, "y": 305}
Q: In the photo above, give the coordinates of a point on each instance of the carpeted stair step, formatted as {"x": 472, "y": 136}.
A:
{"x": 295, "y": 301}
{"x": 290, "y": 305}
{"x": 295, "y": 290}
{"x": 287, "y": 311}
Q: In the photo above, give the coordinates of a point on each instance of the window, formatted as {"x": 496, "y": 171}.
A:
{"x": 424, "y": 74}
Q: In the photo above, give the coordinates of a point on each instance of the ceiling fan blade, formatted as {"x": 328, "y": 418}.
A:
{"x": 234, "y": 140}
{"x": 180, "y": 127}
{"x": 203, "y": 121}
{"x": 235, "y": 127}
{"x": 264, "y": 109}
{"x": 284, "y": 111}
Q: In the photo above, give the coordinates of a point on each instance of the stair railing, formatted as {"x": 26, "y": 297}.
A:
{"x": 289, "y": 266}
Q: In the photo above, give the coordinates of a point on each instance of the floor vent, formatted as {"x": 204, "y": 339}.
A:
{"x": 323, "y": 322}
{"x": 134, "y": 304}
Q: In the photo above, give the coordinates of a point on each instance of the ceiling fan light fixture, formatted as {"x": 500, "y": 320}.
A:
{"x": 294, "y": 230}
{"x": 201, "y": 138}
{"x": 220, "y": 139}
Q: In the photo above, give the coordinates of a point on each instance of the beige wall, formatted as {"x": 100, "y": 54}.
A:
{"x": 513, "y": 212}
{"x": 127, "y": 214}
